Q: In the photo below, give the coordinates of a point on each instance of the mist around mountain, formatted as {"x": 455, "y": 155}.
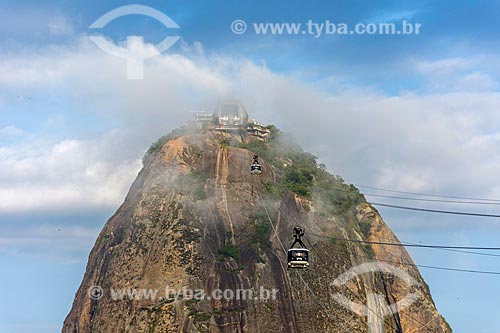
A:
{"x": 195, "y": 219}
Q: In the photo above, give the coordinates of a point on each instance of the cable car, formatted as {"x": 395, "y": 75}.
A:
{"x": 298, "y": 257}
{"x": 255, "y": 168}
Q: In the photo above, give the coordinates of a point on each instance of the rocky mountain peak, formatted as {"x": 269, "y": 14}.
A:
{"x": 196, "y": 224}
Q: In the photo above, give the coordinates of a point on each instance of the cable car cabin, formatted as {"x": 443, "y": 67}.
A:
{"x": 255, "y": 169}
{"x": 298, "y": 258}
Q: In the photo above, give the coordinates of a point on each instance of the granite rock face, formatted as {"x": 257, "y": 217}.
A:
{"x": 195, "y": 219}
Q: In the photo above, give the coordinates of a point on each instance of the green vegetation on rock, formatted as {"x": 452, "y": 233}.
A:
{"x": 194, "y": 184}
{"x": 261, "y": 234}
{"x": 365, "y": 227}
{"x": 229, "y": 251}
{"x": 156, "y": 146}
{"x": 298, "y": 172}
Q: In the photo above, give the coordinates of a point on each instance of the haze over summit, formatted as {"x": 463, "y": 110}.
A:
{"x": 198, "y": 218}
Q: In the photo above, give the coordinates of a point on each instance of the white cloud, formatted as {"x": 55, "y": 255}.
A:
{"x": 477, "y": 81}
{"x": 444, "y": 66}
{"x": 441, "y": 141}
{"x": 460, "y": 74}
{"x": 71, "y": 175}
{"x": 10, "y": 131}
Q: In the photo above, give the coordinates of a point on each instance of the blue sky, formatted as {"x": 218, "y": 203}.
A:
{"x": 417, "y": 113}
